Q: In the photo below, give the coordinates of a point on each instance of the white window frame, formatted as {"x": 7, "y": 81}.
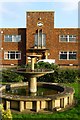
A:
{"x": 68, "y": 38}
{"x": 62, "y": 37}
{"x": 72, "y": 52}
{"x": 68, "y": 52}
{"x": 73, "y": 36}
{"x": 12, "y": 37}
{"x": 62, "y": 52}
{"x": 6, "y": 53}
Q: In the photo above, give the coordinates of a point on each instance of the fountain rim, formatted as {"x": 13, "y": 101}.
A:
{"x": 67, "y": 90}
{"x": 29, "y": 71}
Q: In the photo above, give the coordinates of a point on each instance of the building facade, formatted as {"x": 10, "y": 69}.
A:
{"x": 40, "y": 37}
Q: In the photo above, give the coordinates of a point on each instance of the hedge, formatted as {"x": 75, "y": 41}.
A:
{"x": 59, "y": 75}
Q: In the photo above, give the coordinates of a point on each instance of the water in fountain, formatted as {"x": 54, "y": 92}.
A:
{"x": 23, "y": 91}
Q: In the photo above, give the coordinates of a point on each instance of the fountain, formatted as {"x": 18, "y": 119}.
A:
{"x": 33, "y": 74}
{"x": 33, "y": 102}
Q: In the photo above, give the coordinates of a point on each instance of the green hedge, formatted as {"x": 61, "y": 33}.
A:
{"x": 59, "y": 75}
{"x": 10, "y": 76}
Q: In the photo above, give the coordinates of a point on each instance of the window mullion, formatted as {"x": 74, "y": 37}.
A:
{"x": 9, "y": 55}
{"x": 68, "y": 37}
{"x": 42, "y": 40}
{"x": 38, "y": 38}
{"x": 12, "y": 38}
{"x": 15, "y": 54}
{"x": 68, "y": 55}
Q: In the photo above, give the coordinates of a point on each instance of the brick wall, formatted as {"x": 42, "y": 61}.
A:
{"x": 52, "y": 36}
{"x": 64, "y": 46}
{"x": 14, "y": 46}
{"x": 47, "y": 18}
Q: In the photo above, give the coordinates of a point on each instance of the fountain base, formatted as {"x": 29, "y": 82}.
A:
{"x": 61, "y": 100}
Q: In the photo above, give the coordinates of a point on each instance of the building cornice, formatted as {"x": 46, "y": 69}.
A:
{"x": 40, "y": 11}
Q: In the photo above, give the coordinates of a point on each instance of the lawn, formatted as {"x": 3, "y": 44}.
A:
{"x": 72, "y": 113}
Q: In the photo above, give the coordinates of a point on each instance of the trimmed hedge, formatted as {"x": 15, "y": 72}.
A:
{"x": 59, "y": 75}
{"x": 10, "y": 76}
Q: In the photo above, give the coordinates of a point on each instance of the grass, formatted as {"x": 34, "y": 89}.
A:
{"x": 72, "y": 113}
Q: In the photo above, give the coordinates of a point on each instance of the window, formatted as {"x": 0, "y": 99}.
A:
{"x": 67, "y": 55}
{"x": 63, "y": 38}
{"x": 72, "y": 55}
{"x": 16, "y": 55}
{"x": 67, "y": 38}
{"x": 44, "y": 39}
{"x": 40, "y": 39}
{"x": 63, "y": 55}
{"x": 12, "y": 38}
{"x": 8, "y": 38}
{"x": 72, "y": 38}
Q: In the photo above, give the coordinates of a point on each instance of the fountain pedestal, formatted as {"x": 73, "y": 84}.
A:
{"x": 32, "y": 84}
{"x": 33, "y": 80}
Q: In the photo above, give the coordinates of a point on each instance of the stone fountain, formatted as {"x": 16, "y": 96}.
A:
{"x": 32, "y": 74}
{"x": 32, "y": 102}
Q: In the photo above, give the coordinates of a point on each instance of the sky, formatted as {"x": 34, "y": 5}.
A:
{"x": 13, "y": 13}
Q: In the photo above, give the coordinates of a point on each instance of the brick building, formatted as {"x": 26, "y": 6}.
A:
{"x": 40, "y": 37}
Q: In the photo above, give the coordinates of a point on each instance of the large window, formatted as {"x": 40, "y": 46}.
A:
{"x": 68, "y": 55}
{"x": 16, "y": 55}
{"x": 67, "y": 38}
{"x": 12, "y": 38}
{"x": 40, "y": 39}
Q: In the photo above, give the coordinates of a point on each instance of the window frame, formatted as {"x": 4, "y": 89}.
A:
{"x": 68, "y": 38}
{"x": 63, "y": 37}
{"x": 39, "y": 39}
{"x": 72, "y": 53}
{"x": 9, "y": 55}
{"x": 13, "y": 38}
{"x": 63, "y": 52}
{"x": 68, "y": 53}
{"x": 72, "y": 38}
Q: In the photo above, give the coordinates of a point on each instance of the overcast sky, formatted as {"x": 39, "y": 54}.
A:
{"x": 13, "y": 14}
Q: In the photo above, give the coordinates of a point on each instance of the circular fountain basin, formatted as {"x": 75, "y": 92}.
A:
{"x": 59, "y": 101}
{"x": 34, "y": 73}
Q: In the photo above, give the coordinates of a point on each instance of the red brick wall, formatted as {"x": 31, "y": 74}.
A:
{"x": 47, "y": 18}
{"x": 52, "y": 35}
{"x": 64, "y": 46}
{"x": 16, "y": 46}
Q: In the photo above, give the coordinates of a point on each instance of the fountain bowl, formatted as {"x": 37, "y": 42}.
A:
{"x": 60, "y": 101}
{"x": 33, "y": 73}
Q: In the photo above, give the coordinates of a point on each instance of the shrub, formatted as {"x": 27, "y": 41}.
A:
{"x": 67, "y": 75}
{"x": 59, "y": 75}
{"x": 11, "y": 76}
{"x": 46, "y": 65}
{"x": 5, "y": 114}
